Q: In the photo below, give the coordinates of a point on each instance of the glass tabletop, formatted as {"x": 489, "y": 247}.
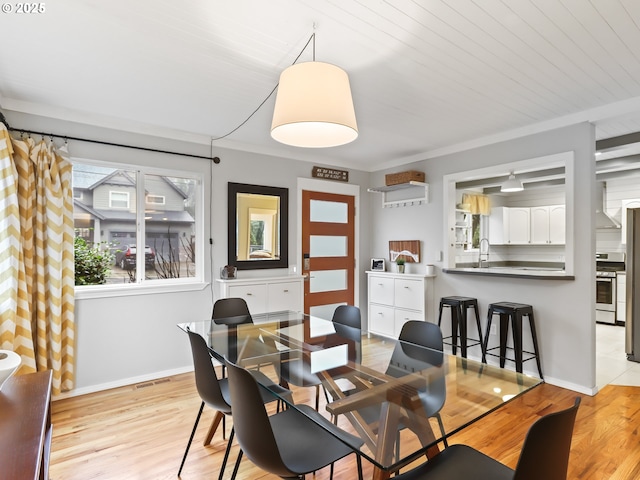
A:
{"x": 400, "y": 398}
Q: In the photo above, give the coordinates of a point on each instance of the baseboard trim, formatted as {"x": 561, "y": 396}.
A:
{"x": 122, "y": 382}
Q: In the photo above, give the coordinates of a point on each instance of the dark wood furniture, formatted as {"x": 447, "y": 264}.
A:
{"x": 25, "y": 423}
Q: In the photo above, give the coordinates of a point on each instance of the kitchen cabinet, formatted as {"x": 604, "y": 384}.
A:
{"x": 396, "y": 298}
{"x": 509, "y": 225}
{"x": 548, "y": 225}
{"x": 270, "y": 294}
{"x": 630, "y": 203}
{"x": 621, "y": 289}
{"x": 541, "y": 225}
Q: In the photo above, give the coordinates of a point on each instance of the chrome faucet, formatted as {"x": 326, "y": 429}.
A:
{"x": 481, "y": 253}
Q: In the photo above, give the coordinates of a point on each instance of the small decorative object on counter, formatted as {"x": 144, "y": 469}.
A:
{"x": 431, "y": 269}
{"x": 228, "y": 271}
{"x": 400, "y": 264}
{"x": 377, "y": 264}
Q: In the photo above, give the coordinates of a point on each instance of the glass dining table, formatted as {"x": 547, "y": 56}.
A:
{"x": 401, "y": 399}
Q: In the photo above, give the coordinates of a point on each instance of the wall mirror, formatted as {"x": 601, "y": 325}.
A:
{"x": 257, "y": 226}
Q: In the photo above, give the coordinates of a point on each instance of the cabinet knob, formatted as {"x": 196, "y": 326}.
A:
{"x": 249, "y": 294}
{"x": 286, "y": 291}
{"x": 380, "y": 284}
{"x": 406, "y": 287}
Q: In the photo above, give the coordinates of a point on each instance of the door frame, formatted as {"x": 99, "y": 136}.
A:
{"x": 326, "y": 186}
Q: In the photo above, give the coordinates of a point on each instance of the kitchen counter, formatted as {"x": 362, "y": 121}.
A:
{"x": 537, "y": 273}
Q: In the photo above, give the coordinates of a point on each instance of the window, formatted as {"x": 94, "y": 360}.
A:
{"x": 143, "y": 220}
{"x": 119, "y": 199}
{"x": 155, "y": 199}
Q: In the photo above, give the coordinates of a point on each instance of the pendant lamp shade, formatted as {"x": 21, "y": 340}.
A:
{"x": 512, "y": 184}
{"x": 314, "y": 108}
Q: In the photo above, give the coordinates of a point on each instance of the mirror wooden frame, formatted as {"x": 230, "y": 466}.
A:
{"x": 283, "y": 232}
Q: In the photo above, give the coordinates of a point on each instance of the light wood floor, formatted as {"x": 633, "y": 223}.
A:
{"x": 140, "y": 432}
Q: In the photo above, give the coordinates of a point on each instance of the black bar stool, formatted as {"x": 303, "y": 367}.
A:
{"x": 511, "y": 312}
{"x": 459, "y": 306}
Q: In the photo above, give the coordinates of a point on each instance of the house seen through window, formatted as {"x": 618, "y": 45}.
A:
{"x": 110, "y": 222}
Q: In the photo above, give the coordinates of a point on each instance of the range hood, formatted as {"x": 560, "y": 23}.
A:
{"x": 603, "y": 220}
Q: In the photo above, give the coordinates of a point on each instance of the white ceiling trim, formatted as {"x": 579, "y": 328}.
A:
{"x": 606, "y": 112}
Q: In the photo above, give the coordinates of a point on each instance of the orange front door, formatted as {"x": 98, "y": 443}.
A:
{"x": 328, "y": 251}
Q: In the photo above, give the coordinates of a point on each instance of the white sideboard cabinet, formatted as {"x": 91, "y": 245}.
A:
{"x": 269, "y": 294}
{"x": 396, "y": 298}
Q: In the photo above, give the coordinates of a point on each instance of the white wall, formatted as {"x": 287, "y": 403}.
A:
{"x": 134, "y": 338}
{"x": 564, "y": 310}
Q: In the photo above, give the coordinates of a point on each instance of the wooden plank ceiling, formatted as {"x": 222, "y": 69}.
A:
{"x": 426, "y": 76}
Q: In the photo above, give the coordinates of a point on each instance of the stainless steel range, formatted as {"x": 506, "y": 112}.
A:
{"x": 608, "y": 264}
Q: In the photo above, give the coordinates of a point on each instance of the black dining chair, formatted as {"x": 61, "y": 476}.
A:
{"x": 288, "y": 444}
{"x": 409, "y": 356}
{"x": 544, "y": 455}
{"x": 214, "y": 392}
{"x": 297, "y": 371}
{"x": 231, "y": 311}
{"x": 348, "y": 315}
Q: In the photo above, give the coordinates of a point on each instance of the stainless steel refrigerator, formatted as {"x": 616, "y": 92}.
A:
{"x": 632, "y": 322}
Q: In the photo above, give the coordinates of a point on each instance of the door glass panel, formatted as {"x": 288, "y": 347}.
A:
{"x": 327, "y": 280}
{"x": 328, "y": 246}
{"x": 329, "y": 212}
{"x": 324, "y": 311}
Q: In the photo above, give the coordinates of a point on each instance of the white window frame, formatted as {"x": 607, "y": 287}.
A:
{"x": 112, "y": 193}
{"x": 162, "y": 199}
{"x": 152, "y": 286}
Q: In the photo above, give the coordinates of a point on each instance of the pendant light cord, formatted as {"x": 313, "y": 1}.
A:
{"x": 311, "y": 38}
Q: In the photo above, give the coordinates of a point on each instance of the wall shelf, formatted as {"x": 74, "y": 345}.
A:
{"x": 420, "y": 189}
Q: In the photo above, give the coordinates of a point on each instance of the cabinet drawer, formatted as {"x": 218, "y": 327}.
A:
{"x": 285, "y": 296}
{"x": 403, "y": 316}
{"x": 254, "y": 295}
{"x": 409, "y": 294}
{"x": 381, "y": 320}
{"x": 381, "y": 290}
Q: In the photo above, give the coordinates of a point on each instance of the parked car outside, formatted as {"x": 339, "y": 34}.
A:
{"x": 126, "y": 259}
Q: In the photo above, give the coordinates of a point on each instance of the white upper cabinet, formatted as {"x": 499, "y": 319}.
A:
{"x": 527, "y": 225}
{"x": 548, "y": 225}
{"x": 509, "y": 226}
{"x": 519, "y": 225}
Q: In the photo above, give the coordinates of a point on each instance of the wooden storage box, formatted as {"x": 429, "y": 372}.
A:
{"x": 403, "y": 177}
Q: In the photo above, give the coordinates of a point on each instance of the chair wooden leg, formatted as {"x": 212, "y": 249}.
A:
{"x": 193, "y": 432}
{"x": 214, "y": 426}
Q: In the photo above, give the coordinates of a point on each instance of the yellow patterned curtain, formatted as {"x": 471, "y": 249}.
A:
{"x": 478, "y": 204}
{"x": 36, "y": 258}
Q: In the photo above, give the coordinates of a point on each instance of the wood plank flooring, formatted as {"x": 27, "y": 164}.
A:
{"x": 140, "y": 432}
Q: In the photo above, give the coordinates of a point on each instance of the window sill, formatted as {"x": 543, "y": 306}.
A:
{"x": 107, "y": 291}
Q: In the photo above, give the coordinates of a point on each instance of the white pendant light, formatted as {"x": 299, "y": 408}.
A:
{"x": 512, "y": 184}
{"x": 314, "y": 108}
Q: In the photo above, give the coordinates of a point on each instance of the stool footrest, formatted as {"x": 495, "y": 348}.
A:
{"x": 524, "y": 359}
{"x": 471, "y": 342}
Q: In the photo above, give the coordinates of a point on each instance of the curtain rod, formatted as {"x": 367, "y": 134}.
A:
{"x": 216, "y": 160}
